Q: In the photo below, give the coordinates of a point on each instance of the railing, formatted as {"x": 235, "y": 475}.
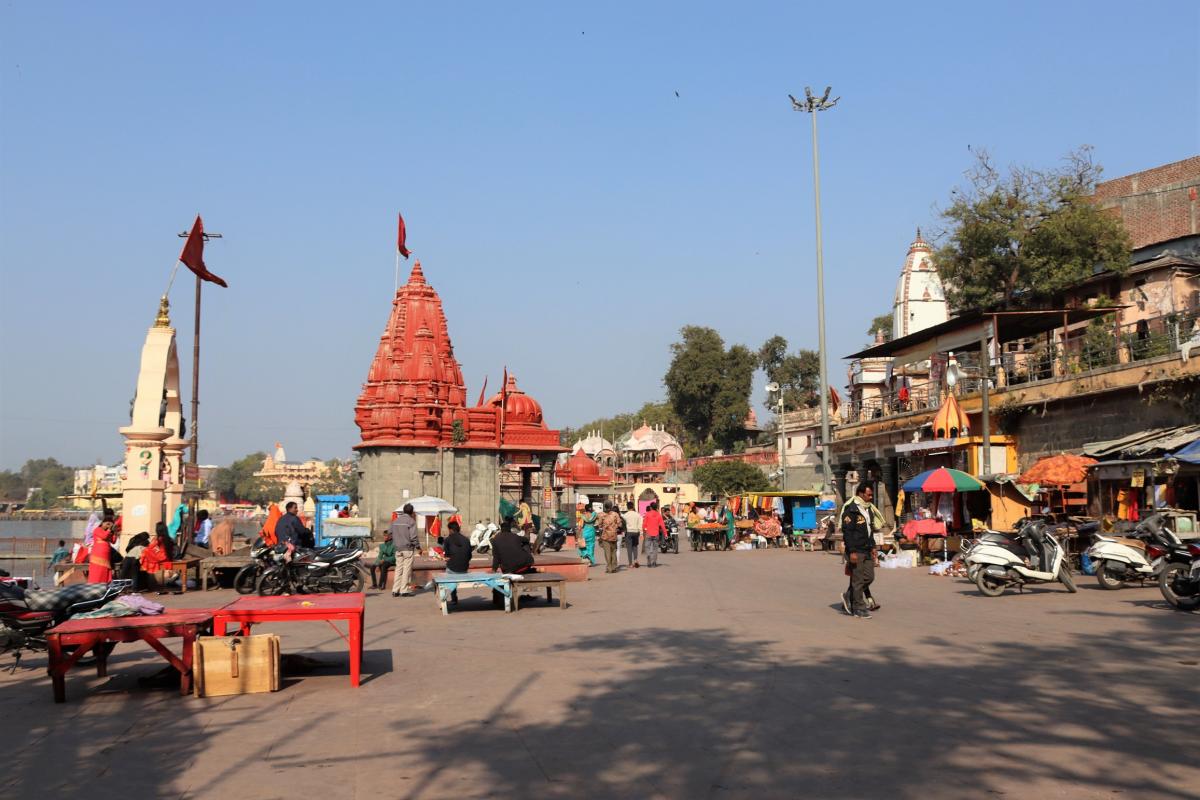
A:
{"x": 1099, "y": 345}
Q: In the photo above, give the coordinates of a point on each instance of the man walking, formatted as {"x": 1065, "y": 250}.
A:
{"x": 404, "y": 537}
{"x": 633, "y": 530}
{"x": 654, "y": 530}
{"x": 610, "y": 530}
{"x": 859, "y": 518}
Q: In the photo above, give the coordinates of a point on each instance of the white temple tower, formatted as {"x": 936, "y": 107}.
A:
{"x": 920, "y": 300}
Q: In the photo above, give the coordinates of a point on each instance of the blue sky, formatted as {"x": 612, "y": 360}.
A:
{"x": 570, "y": 209}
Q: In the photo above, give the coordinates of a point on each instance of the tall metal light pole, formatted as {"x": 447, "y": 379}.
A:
{"x": 812, "y": 105}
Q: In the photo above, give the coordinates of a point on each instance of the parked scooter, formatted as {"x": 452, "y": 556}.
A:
{"x": 481, "y": 536}
{"x": 1179, "y": 581}
{"x": 555, "y": 536}
{"x": 26, "y": 614}
{"x": 1127, "y": 558}
{"x": 1035, "y": 555}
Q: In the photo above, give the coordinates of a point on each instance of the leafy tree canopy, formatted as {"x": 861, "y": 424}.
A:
{"x": 53, "y": 479}
{"x": 708, "y": 386}
{"x": 798, "y": 374}
{"x": 881, "y": 323}
{"x": 1017, "y": 239}
{"x": 237, "y": 482}
{"x": 725, "y": 478}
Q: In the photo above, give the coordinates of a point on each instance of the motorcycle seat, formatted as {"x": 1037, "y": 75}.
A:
{"x": 1136, "y": 544}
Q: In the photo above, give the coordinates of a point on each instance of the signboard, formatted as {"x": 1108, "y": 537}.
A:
{"x": 191, "y": 472}
{"x": 547, "y": 498}
{"x": 1138, "y": 479}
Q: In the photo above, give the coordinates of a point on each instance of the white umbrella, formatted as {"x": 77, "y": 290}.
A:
{"x": 428, "y": 506}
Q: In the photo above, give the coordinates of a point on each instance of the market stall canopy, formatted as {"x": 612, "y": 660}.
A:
{"x": 428, "y": 506}
{"x": 1148, "y": 443}
{"x": 1189, "y": 454}
{"x": 943, "y": 480}
{"x": 965, "y": 331}
{"x": 1063, "y": 469}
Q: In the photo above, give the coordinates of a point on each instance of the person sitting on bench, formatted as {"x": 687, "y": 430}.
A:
{"x": 511, "y": 554}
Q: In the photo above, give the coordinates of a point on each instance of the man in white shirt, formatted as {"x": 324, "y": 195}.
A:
{"x": 633, "y": 532}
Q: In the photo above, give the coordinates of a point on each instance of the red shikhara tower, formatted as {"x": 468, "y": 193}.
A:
{"x": 415, "y": 394}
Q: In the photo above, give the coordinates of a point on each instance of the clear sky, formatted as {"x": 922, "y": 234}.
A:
{"x": 572, "y": 211}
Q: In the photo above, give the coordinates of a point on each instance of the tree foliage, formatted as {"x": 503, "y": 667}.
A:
{"x": 725, "y": 478}
{"x": 881, "y": 323}
{"x": 798, "y": 374}
{"x": 54, "y": 480}
{"x": 342, "y": 478}
{"x": 237, "y": 482}
{"x": 1017, "y": 239}
{"x": 708, "y": 386}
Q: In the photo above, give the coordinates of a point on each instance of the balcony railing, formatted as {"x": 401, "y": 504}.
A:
{"x": 1099, "y": 345}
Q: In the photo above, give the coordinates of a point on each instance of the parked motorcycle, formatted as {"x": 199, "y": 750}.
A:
{"x": 27, "y": 614}
{"x": 313, "y": 571}
{"x": 555, "y": 536}
{"x": 263, "y": 556}
{"x": 1179, "y": 581}
{"x": 1127, "y": 558}
{"x": 1034, "y": 555}
{"x": 670, "y": 542}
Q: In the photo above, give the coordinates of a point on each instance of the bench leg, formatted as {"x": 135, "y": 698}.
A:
{"x": 562, "y": 596}
{"x": 549, "y": 595}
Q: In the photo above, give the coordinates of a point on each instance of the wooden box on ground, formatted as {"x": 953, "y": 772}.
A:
{"x": 236, "y": 665}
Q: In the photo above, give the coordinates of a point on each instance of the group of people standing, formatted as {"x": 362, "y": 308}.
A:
{"x": 646, "y": 530}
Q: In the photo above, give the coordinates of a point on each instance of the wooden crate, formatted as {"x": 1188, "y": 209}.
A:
{"x": 224, "y": 665}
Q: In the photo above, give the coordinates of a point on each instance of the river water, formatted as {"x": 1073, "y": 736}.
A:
{"x": 70, "y": 530}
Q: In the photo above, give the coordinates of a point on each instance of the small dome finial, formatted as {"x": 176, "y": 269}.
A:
{"x": 417, "y": 275}
{"x": 163, "y": 320}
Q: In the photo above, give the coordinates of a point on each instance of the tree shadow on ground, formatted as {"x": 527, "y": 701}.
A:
{"x": 700, "y": 713}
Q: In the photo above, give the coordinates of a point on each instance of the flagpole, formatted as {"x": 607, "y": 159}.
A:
{"x": 196, "y": 376}
{"x": 397, "y": 287}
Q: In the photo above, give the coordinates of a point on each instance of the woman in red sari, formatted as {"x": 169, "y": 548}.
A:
{"x": 100, "y": 558}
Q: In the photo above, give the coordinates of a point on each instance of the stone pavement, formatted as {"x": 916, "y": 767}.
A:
{"x": 723, "y": 675}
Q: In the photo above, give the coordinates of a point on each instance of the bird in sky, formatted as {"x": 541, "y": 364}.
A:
{"x": 677, "y": 93}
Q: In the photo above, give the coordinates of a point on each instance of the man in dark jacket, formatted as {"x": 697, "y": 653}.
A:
{"x": 858, "y": 518}
{"x": 404, "y": 536}
{"x": 290, "y": 530}
{"x": 511, "y": 554}
{"x": 458, "y": 555}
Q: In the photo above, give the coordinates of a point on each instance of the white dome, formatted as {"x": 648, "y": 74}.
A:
{"x": 594, "y": 445}
{"x": 656, "y": 439}
{"x": 920, "y": 300}
{"x": 280, "y": 456}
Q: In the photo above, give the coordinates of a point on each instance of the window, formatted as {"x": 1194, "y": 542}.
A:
{"x": 789, "y": 443}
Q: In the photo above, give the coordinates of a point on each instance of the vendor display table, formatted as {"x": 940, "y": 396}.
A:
{"x": 250, "y": 610}
{"x": 923, "y": 527}
{"x": 701, "y": 538}
{"x": 89, "y": 634}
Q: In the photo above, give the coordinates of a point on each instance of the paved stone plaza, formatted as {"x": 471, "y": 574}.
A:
{"x": 717, "y": 675}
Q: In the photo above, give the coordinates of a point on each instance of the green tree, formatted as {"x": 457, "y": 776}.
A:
{"x": 798, "y": 374}
{"x": 881, "y": 323}
{"x": 342, "y": 478}
{"x": 237, "y": 482}
{"x": 1016, "y": 240}
{"x": 724, "y": 478}
{"x": 708, "y": 387}
{"x": 54, "y": 479}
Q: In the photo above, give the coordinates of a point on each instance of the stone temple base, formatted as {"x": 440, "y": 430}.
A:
{"x": 469, "y": 479}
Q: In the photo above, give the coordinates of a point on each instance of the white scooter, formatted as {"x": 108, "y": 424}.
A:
{"x": 481, "y": 536}
{"x": 996, "y": 565}
{"x": 1119, "y": 559}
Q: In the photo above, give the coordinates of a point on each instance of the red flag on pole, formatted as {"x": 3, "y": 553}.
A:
{"x": 835, "y": 401}
{"x": 482, "y": 392}
{"x": 401, "y": 235}
{"x": 193, "y": 254}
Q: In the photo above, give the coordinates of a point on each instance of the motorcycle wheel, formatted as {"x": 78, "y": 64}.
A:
{"x": 1105, "y": 580}
{"x": 272, "y": 582}
{"x": 1064, "y": 575}
{"x": 988, "y": 586}
{"x": 246, "y": 580}
{"x": 1168, "y": 584}
{"x": 350, "y": 580}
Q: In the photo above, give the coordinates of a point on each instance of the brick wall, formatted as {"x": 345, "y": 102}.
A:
{"x": 1069, "y": 425}
{"x": 1158, "y": 204}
